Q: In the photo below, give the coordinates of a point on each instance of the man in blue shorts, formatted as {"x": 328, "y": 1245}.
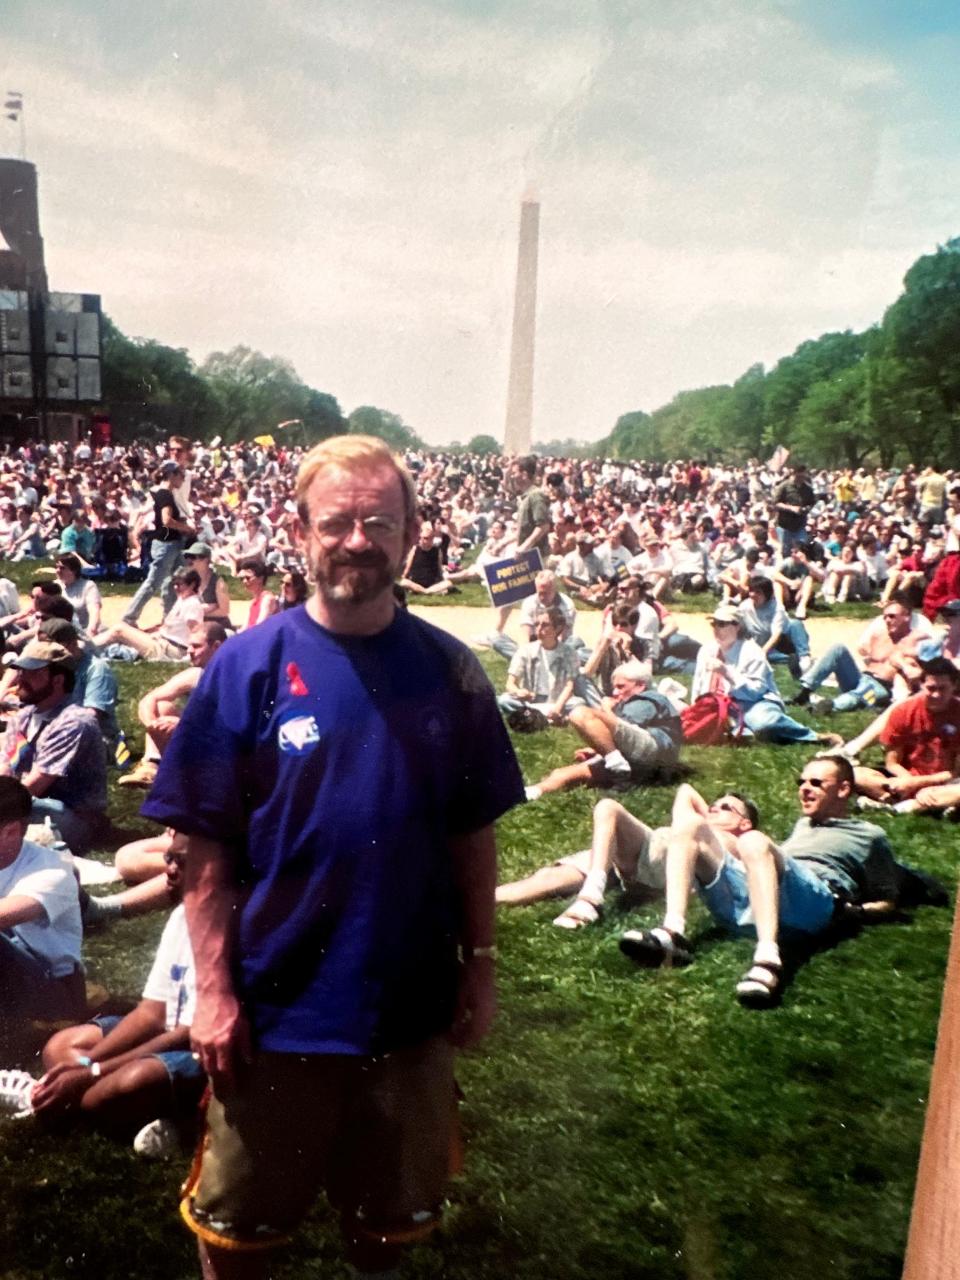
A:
{"x": 338, "y": 772}
{"x": 755, "y": 887}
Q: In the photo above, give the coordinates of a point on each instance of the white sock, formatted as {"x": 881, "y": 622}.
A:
{"x": 616, "y": 762}
{"x": 767, "y": 953}
{"x": 674, "y": 923}
{"x": 594, "y": 887}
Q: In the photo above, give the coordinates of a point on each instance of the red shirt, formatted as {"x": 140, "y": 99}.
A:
{"x": 925, "y": 743}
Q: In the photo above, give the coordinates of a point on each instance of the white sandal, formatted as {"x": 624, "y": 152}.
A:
{"x": 580, "y": 912}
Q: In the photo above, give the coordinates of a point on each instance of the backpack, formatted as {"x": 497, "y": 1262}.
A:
{"x": 706, "y": 722}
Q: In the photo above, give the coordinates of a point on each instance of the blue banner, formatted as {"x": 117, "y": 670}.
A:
{"x": 511, "y": 580}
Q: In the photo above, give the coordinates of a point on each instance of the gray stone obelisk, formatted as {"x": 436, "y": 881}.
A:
{"x": 520, "y": 384}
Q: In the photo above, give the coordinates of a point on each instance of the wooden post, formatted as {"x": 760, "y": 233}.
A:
{"x": 933, "y": 1246}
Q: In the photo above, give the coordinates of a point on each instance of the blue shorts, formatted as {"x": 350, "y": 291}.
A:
{"x": 807, "y": 903}
{"x": 187, "y": 1078}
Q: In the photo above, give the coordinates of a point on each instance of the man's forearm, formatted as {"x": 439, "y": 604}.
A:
{"x": 209, "y": 900}
{"x": 475, "y": 868}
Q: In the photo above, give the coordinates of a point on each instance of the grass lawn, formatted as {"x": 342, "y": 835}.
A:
{"x": 621, "y": 1124}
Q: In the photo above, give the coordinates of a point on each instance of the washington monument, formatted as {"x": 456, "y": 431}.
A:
{"x": 520, "y": 384}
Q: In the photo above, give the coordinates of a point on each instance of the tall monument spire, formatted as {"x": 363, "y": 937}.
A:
{"x": 520, "y": 384}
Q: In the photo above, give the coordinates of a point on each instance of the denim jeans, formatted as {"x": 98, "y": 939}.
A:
{"x": 793, "y": 645}
{"x": 164, "y": 557}
{"x": 857, "y": 688}
{"x": 769, "y": 722}
{"x": 790, "y": 539}
{"x": 29, "y": 990}
{"x": 678, "y": 655}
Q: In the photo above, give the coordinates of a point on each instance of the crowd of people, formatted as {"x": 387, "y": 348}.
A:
{"x": 253, "y": 748}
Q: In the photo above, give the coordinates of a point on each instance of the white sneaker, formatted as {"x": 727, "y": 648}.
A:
{"x": 157, "y": 1140}
{"x": 16, "y": 1092}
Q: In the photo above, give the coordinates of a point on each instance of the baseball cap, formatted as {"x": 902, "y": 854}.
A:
{"x": 725, "y": 613}
{"x": 199, "y": 549}
{"x": 59, "y": 630}
{"x": 41, "y": 653}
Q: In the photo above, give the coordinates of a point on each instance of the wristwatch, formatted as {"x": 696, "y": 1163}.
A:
{"x": 480, "y": 953}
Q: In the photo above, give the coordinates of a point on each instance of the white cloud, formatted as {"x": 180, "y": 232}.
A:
{"x": 341, "y": 185}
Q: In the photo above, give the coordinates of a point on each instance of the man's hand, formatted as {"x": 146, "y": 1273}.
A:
{"x": 476, "y": 1002}
{"x": 220, "y": 1037}
{"x": 61, "y": 1088}
{"x": 163, "y": 724}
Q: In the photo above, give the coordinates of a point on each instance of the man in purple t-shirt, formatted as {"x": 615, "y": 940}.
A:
{"x": 338, "y": 772}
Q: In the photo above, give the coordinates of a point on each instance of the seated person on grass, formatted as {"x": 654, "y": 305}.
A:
{"x": 55, "y": 748}
{"x": 95, "y": 685}
{"x": 125, "y": 1074}
{"x": 796, "y": 579}
{"x": 618, "y": 643}
{"x": 542, "y": 673}
{"x": 884, "y": 645}
{"x": 921, "y": 771}
{"x": 752, "y": 886}
{"x": 546, "y": 595}
{"x": 765, "y": 621}
{"x": 423, "y": 571}
{"x": 736, "y": 666}
{"x": 160, "y": 708}
{"x": 170, "y": 639}
{"x": 40, "y": 932}
{"x": 582, "y": 571}
{"x": 630, "y": 736}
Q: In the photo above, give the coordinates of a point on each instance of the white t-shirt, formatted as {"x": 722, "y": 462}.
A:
{"x": 531, "y": 606}
{"x": 186, "y": 613}
{"x": 42, "y": 875}
{"x": 172, "y": 978}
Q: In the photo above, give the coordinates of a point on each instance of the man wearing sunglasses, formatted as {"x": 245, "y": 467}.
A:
{"x": 752, "y": 886}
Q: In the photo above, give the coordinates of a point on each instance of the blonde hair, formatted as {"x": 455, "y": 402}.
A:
{"x": 353, "y": 453}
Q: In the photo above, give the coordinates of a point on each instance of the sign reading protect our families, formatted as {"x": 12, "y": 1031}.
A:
{"x": 511, "y": 580}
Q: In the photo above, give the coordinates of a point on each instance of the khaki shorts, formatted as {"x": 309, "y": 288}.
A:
{"x": 163, "y": 650}
{"x": 379, "y": 1135}
{"x": 649, "y": 870}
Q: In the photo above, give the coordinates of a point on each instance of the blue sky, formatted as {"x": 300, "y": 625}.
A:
{"x": 720, "y": 180}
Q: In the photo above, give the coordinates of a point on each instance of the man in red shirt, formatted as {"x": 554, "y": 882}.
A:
{"x": 921, "y": 771}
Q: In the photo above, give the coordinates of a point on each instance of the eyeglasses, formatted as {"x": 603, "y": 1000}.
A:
{"x": 818, "y": 784}
{"x": 726, "y": 807}
{"x": 375, "y": 528}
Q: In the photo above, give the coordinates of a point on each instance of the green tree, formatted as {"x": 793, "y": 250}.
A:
{"x": 483, "y": 444}
{"x": 367, "y": 420}
{"x": 922, "y": 329}
{"x": 252, "y": 392}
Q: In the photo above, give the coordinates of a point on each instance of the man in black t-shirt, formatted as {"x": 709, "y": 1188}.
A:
{"x": 793, "y": 499}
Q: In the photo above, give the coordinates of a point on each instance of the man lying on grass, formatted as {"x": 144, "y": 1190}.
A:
{"x": 626, "y": 852}
{"x": 753, "y": 886}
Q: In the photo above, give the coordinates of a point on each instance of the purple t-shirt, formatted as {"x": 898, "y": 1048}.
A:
{"x": 336, "y": 769}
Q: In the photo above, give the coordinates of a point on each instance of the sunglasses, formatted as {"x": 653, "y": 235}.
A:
{"x": 819, "y": 784}
{"x": 726, "y": 807}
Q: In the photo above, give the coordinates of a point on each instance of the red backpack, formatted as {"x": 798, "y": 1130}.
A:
{"x": 706, "y": 722}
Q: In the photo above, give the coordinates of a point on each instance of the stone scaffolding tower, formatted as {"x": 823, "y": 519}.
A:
{"x": 520, "y": 384}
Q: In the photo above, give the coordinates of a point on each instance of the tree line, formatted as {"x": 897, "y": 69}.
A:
{"x": 234, "y": 395}
{"x": 889, "y": 395}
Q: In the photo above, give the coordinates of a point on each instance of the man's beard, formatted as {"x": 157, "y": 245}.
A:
{"x": 31, "y": 697}
{"x": 364, "y": 577}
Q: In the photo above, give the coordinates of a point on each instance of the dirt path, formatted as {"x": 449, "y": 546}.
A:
{"x": 467, "y": 623}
